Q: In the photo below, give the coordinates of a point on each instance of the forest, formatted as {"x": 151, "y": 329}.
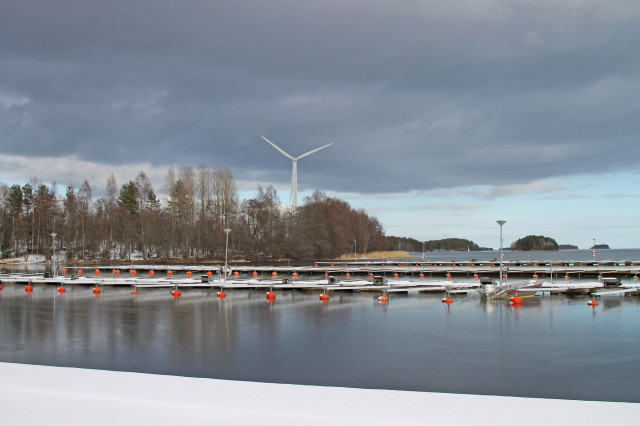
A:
{"x": 446, "y": 244}
{"x": 189, "y": 223}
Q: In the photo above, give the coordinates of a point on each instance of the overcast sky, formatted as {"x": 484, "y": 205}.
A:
{"x": 445, "y": 115}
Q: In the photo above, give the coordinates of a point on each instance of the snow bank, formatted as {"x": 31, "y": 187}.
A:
{"x": 37, "y": 395}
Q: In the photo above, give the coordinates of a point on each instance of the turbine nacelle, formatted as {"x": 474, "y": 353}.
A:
{"x": 294, "y": 173}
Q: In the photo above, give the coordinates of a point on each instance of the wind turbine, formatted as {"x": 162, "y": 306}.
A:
{"x": 294, "y": 174}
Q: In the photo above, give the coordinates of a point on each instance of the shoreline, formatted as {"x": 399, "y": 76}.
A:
{"x": 34, "y": 394}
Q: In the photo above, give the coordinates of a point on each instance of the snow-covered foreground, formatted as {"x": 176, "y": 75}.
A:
{"x": 37, "y": 395}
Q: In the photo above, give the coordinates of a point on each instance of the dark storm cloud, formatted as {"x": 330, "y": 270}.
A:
{"x": 415, "y": 95}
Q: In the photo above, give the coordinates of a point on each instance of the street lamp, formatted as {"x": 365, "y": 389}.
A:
{"x": 226, "y": 250}
{"x": 355, "y": 249}
{"x": 594, "y": 250}
{"x": 501, "y": 222}
{"x": 53, "y": 244}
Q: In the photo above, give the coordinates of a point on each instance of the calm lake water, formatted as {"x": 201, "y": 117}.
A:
{"x": 551, "y": 347}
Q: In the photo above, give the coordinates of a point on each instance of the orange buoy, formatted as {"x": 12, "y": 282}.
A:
{"x": 61, "y": 289}
{"x": 346, "y": 266}
{"x": 435, "y": 265}
{"x": 421, "y": 276}
{"x": 370, "y": 274}
{"x": 0, "y": 287}
{"x": 447, "y": 300}
{"x": 189, "y": 273}
{"x": 134, "y": 292}
{"x": 454, "y": 265}
{"x": 535, "y": 276}
{"x": 236, "y": 273}
{"x": 326, "y": 275}
{"x": 504, "y": 276}
{"x": 473, "y": 265}
{"x": 592, "y": 302}
{"x": 170, "y": 273}
{"x": 324, "y": 296}
{"x": 176, "y": 293}
{"x": 79, "y": 271}
{"x": 567, "y": 277}
{"x": 134, "y": 273}
{"x": 516, "y": 299}
{"x": 636, "y": 277}
{"x": 399, "y": 265}
{"x": 476, "y": 276}
{"x": 209, "y": 273}
{"x": 382, "y": 265}
{"x": 255, "y": 274}
{"x": 366, "y": 265}
{"x": 97, "y": 291}
{"x": 271, "y": 295}
{"x": 118, "y": 272}
{"x": 332, "y": 265}
{"x": 64, "y": 271}
{"x": 395, "y": 275}
{"x": 295, "y": 275}
{"x": 152, "y": 274}
{"x": 448, "y": 276}
{"x": 348, "y": 275}
{"x": 222, "y": 294}
{"x": 274, "y": 274}
{"x": 315, "y": 265}
{"x": 383, "y": 299}
{"x": 28, "y": 288}
{"x": 97, "y": 271}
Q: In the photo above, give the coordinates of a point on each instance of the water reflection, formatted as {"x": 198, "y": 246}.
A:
{"x": 541, "y": 348}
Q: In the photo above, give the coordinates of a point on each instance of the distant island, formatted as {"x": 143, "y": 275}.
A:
{"x": 446, "y": 244}
{"x": 535, "y": 242}
{"x": 600, "y": 247}
{"x": 567, "y": 247}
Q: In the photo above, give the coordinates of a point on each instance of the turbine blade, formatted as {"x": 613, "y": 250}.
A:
{"x": 315, "y": 150}
{"x": 278, "y": 148}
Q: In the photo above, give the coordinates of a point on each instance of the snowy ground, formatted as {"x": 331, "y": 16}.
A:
{"x": 38, "y": 395}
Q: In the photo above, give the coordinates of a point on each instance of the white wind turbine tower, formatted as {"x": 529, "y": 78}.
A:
{"x": 294, "y": 174}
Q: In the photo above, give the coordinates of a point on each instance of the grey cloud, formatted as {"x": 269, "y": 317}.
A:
{"x": 415, "y": 95}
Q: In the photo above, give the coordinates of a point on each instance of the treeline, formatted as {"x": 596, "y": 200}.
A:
{"x": 446, "y": 244}
{"x": 189, "y": 224}
{"x": 534, "y": 242}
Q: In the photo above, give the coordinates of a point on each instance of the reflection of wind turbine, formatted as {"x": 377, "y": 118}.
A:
{"x": 294, "y": 174}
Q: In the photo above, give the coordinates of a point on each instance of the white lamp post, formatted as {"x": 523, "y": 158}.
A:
{"x": 226, "y": 250}
{"x": 53, "y": 244}
{"x": 594, "y": 250}
{"x": 501, "y": 222}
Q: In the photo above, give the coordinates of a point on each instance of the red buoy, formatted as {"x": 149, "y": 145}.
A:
{"x": 189, "y": 274}
{"x": 324, "y": 296}
{"x": 61, "y": 289}
{"x": 476, "y": 276}
{"x": 236, "y": 273}
{"x": 28, "y": 288}
{"x": 134, "y": 272}
{"x": 0, "y": 287}
{"x": 447, "y": 300}
{"x": 395, "y": 275}
{"x": 448, "y": 276}
{"x": 421, "y": 276}
{"x": 118, "y": 272}
{"x": 274, "y": 274}
{"x": 152, "y": 274}
{"x": 326, "y": 275}
{"x": 271, "y": 295}
{"x": 222, "y": 294}
{"x": 79, "y": 271}
{"x": 515, "y": 300}
{"x": 64, "y": 272}
{"x": 383, "y": 299}
{"x": 255, "y": 274}
{"x": 535, "y": 276}
{"x": 176, "y": 293}
{"x": 592, "y": 302}
{"x": 97, "y": 291}
{"x": 170, "y": 273}
{"x": 134, "y": 292}
{"x": 567, "y": 277}
{"x": 370, "y": 274}
{"x": 295, "y": 275}
{"x": 97, "y": 271}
